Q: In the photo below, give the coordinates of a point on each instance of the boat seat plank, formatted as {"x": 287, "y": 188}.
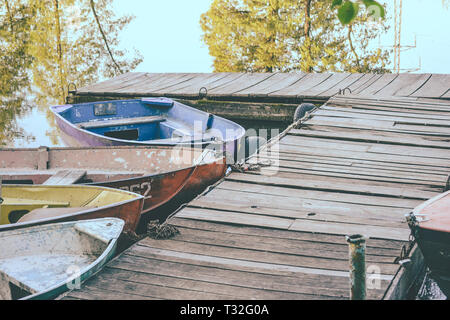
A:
{"x": 45, "y": 213}
{"x": 120, "y": 122}
{"x": 65, "y": 177}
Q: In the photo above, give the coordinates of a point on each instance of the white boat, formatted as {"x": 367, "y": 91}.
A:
{"x": 43, "y": 262}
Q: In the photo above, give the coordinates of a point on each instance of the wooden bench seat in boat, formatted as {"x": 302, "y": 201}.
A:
{"x": 45, "y": 213}
{"x": 13, "y": 208}
{"x": 119, "y": 122}
{"x": 65, "y": 177}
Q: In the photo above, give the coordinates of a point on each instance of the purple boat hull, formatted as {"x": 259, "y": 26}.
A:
{"x": 76, "y": 136}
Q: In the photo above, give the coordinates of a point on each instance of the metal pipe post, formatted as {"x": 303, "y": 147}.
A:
{"x": 357, "y": 255}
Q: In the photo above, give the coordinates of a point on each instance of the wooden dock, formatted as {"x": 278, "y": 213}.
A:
{"x": 354, "y": 166}
{"x": 261, "y": 96}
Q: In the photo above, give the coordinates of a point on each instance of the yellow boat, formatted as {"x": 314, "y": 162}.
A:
{"x": 25, "y": 206}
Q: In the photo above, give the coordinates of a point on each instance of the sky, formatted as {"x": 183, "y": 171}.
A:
{"x": 168, "y": 34}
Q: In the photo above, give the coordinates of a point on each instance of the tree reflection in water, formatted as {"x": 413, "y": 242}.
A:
{"x": 10, "y": 110}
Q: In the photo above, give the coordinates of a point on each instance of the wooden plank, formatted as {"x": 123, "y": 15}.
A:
{"x": 396, "y": 119}
{"x": 347, "y": 180}
{"x": 362, "y": 82}
{"x": 404, "y": 85}
{"x": 340, "y": 187}
{"x": 65, "y": 177}
{"x": 435, "y": 87}
{"x": 413, "y": 86}
{"x": 254, "y": 256}
{"x": 365, "y": 136}
{"x": 412, "y": 151}
{"x": 319, "y": 195}
{"x": 331, "y": 82}
{"x": 237, "y": 291}
{"x": 396, "y": 113}
{"x": 325, "y": 215}
{"x": 348, "y": 229}
{"x": 288, "y": 246}
{"x": 107, "y": 281}
{"x": 378, "y": 84}
{"x": 236, "y": 218}
{"x": 333, "y": 150}
{"x": 150, "y": 82}
{"x": 246, "y": 81}
{"x": 303, "y": 283}
{"x": 323, "y": 172}
{"x": 367, "y": 84}
{"x": 88, "y": 292}
{"x": 389, "y": 126}
{"x": 111, "y": 84}
{"x": 294, "y": 90}
{"x": 119, "y": 122}
{"x": 282, "y": 235}
{"x": 278, "y": 205}
{"x": 192, "y": 87}
{"x": 145, "y": 79}
{"x": 394, "y": 102}
{"x": 361, "y": 170}
{"x": 277, "y": 82}
{"x": 154, "y": 88}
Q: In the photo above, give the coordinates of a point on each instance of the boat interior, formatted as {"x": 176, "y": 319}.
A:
{"x": 65, "y": 166}
{"x": 24, "y": 204}
{"x": 149, "y": 120}
{"x": 36, "y": 259}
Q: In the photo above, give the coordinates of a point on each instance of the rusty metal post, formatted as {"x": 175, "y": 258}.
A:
{"x": 357, "y": 255}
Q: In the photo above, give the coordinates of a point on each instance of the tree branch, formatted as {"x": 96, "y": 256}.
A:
{"x": 104, "y": 36}
{"x": 351, "y": 46}
{"x": 59, "y": 48}
{"x": 8, "y": 9}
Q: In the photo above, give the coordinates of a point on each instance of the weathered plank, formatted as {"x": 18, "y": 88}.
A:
{"x": 305, "y": 83}
{"x": 339, "y": 187}
{"x": 282, "y": 235}
{"x": 404, "y": 85}
{"x": 435, "y": 87}
{"x": 365, "y": 136}
{"x": 65, "y": 177}
{"x": 277, "y": 82}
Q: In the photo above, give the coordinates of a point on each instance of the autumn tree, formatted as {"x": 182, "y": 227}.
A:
{"x": 76, "y": 41}
{"x": 14, "y": 64}
{"x": 289, "y": 35}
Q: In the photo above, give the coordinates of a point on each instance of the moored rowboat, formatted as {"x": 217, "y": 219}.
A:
{"x": 146, "y": 121}
{"x": 43, "y": 262}
{"x": 25, "y": 206}
{"x": 157, "y": 173}
{"x": 430, "y": 225}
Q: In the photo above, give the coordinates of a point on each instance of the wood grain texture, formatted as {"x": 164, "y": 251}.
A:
{"x": 358, "y": 165}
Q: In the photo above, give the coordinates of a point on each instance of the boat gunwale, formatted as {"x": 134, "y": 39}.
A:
{"x": 99, "y": 262}
{"x": 20, "y": 225}
{"x": 146, "y": 142}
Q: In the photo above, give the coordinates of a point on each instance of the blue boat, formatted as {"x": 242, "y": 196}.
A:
{"x": 146, "y": 121}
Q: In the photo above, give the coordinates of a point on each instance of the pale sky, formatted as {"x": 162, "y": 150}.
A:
{"x": 168, "y": 34}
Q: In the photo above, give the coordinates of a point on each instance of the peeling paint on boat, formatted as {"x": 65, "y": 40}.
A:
{"x": 41, "y": 260}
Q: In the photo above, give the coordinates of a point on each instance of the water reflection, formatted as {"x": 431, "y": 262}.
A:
{"x": 27, "y": 126}
{"x": 10, "y": 130}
